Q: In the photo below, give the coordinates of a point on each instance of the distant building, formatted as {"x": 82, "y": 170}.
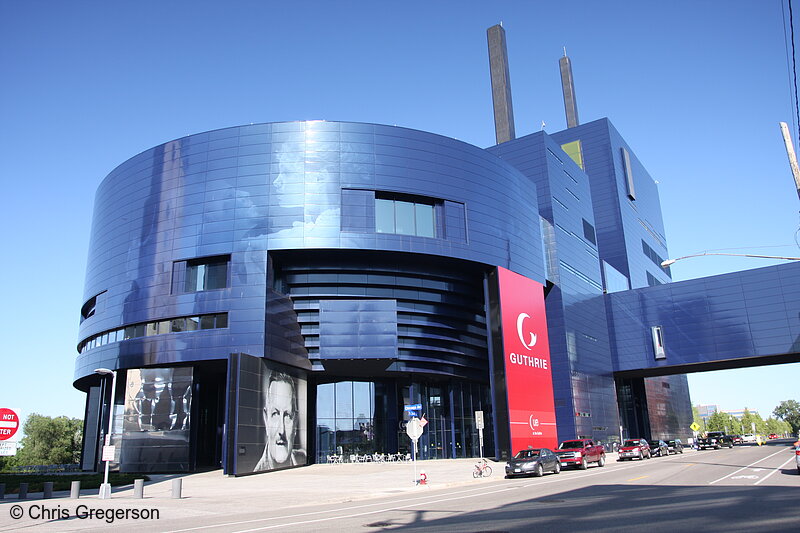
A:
{"x": 740, "y": 413}
{"x": 704, "y": 411}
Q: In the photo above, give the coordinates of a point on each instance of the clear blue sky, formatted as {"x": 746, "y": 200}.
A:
{"x": 696, "y": 87}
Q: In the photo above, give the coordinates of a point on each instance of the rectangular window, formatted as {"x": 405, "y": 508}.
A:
{"x": 626, "y": 166}
{"x": 405, "y": 215}
{"x": 424, "y": 220}
{"x": 404, "y": 218}
{"x": 588, "y": 232}
{"x": 384, "y": 215}
{"x": 207, "y": 273}
{"x": 575, "y": 151}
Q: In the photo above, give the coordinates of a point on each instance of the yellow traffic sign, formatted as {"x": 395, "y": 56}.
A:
{"x": 694, "y": 426}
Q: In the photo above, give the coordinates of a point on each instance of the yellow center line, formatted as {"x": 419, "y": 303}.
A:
{"x": 640, "y": 477}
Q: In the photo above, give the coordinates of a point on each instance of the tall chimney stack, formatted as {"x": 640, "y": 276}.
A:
{"x": 568, "y": 87}
{"x": 501, "y": 84}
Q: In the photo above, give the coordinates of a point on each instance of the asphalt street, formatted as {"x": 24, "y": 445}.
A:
{"x": 739, "y": 489}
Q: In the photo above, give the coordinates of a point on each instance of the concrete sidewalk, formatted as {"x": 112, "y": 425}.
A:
{"x": 320, "y": 483}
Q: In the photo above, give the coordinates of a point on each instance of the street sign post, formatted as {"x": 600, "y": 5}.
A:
{"x": 414, "y": 431}
{"x": 10, "y": 424}
{"x": 479, "y": 425}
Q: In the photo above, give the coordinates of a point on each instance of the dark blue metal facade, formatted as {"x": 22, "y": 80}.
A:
{"x": 246, "y": 190}
{"x": 732, "y": 320}
{"x": 271, "y": 240}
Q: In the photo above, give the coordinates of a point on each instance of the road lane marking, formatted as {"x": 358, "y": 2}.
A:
{"x": 777, "y": 469}
{"x": 417, "y": 499}
{"x": 635, "y": 478}
{"x": 746, "y": 467}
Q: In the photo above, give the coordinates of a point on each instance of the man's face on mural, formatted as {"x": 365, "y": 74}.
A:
{"x": 280, "y": 420}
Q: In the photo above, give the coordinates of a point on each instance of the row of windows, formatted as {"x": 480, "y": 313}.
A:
{"x": 160, "y": 327}
{"x": 649, "y": 252}
{"x": 191, "y": 275}
{"x": 404, "y": 217}
{"x": 652, "y": 281}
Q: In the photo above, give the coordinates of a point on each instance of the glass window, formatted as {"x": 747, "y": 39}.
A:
{"x": 179, "y": 324}
{"x": 325, "y": 403}
{"x": 344, "y": 400}
{"x": 222, "y": 320}
{"x": 192, "y": 323}
{"x": 574, "y": 151}
{"x": 362, "y": 400}
{"x": 424, "y": 220}
{"x": 384, "y": 215}
{"x": 404, "y": 218}
{"x": 151, "y": 328}
{"x": 129, "y": 332}
{"x": 139, "y": 330}
{"x": 164, "y": 326}
{"x": 207, "y": 274}
{"x": 207, "y": 322}
{"x": 588, "y": 232}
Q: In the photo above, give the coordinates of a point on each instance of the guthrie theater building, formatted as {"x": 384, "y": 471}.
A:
{"x": 364, "y": 268}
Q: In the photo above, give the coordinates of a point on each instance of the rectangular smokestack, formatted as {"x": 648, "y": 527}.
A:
{"x": 568, "y": 87}
{"x": 501, "y": 84}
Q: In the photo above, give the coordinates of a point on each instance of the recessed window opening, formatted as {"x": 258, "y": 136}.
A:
{"x": 158, "y": 327}
{"x": 405, "y": 215}
{"x": 207, "y": 273}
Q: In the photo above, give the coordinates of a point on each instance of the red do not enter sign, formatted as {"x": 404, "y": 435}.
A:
{"x": 9, "y": 423}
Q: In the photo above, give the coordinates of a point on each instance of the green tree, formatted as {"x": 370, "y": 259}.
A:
{"x": 716, "y": 422}
{"x": 734, "y": 425}
{"x": 789, "y": 412}
{"x": 50, "y": 441}
{"x": 748, "y": 419}
{"x": 696, "y": 416}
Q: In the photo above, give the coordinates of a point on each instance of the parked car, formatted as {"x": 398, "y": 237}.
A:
{"x": 533, "y": 462}
{"x": 773, "y": 436}
{"x": 675, "y": 446}
{"x": 579, "y": 453}
{"x": 748, "y": 438}
{"x": 737, "y": 439}
{"x": 658, "y": 448}
{"x": 716, "y": 440}
{"x": 634, "y": 449}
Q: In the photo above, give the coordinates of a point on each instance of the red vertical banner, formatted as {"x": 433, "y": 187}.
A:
{"x": 526, "y": 353}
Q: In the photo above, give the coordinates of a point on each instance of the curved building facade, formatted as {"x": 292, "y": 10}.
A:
{"x": 353, "y": 261}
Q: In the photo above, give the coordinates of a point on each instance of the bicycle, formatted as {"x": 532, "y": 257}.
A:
{"x": 482, "y": 469}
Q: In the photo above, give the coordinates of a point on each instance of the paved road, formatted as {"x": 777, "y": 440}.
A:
{"x": 739, "y": 489}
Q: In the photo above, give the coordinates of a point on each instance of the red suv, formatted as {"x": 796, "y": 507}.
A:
{"x": 634, "y": 449}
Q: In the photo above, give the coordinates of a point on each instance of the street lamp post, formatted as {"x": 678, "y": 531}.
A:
{"x": 105, "y": 488}
{"x": 668, "y": 262}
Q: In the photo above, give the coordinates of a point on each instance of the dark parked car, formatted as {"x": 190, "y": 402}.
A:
{"x": 533, "y": 462}
{"x": 658, "y": 448}
{"x": 634, "y": 449}
{"x": 675, "y": 446}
